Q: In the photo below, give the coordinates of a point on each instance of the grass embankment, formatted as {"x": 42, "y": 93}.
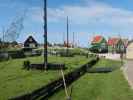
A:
{"x": 100, "y": 86}
{"x": 16, "y": 81}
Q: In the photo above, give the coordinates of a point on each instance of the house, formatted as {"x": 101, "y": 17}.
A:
{"x": 129, "y": 52}
{"x": 99, "y": 44}
{"x": 117, "y": 45}
{"x": 30, "y": 42}
{"x": 112, "y": 42}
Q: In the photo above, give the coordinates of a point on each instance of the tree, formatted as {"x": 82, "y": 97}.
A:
{"x": 15, "y": 28}
{"x": 14, "y": 43}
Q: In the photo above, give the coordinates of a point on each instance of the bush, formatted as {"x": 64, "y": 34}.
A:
{"x": 64, "y": 53}
{"x": 26, "y": 65}
{"x": 28, "y": 54}
{"x": 4, "y": 56}
{"x": 33, "y": 53}
{"x": 16, "y": 54}
{"x": 75, "y": 51}
{"x": 38, "y": 51}
{"x": 27, "y": 49}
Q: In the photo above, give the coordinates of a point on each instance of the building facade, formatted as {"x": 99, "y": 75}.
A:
{"x": 99, "y": 44}
{"x": 30, "y": 43}
{"x": 117, "y": 45}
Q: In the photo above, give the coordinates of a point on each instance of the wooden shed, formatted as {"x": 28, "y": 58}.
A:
{"x": 30, "y": 43}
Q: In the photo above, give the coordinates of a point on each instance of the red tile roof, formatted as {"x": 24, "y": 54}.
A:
{"x": 97, "y": 39}
{"x": 113, "y": 41}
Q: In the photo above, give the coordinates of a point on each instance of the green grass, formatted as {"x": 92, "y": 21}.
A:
{"x": 96, "y": 86}
{"x": 108, "y": 63}
{"x": 15, "y": 81}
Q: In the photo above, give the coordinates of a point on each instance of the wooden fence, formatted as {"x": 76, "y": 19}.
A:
{"x": 45, "y": 92}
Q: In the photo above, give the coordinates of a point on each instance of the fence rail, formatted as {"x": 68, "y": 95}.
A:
{"x": 45, "y": 92}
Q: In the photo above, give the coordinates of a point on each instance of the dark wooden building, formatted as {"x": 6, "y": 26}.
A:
{"x": 30, "y": 43}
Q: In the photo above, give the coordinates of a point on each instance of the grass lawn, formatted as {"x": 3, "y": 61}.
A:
{"x": 16, "y": 81}
{"x": 100, "y": 86}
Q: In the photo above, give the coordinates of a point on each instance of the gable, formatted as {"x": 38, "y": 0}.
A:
{"x": 98, "y": 39}
{"x": 30, "y": 39}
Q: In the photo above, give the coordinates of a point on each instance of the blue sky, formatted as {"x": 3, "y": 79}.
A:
{"x": 86, "y": 18}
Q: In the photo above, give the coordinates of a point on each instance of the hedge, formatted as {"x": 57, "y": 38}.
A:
{"x": 16, "y": 54}
{"x": 4, "y": 56}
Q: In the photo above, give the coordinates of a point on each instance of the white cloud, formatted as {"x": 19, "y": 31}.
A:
{"x": 93, "y": 13}
{"x": 35, "y": 14}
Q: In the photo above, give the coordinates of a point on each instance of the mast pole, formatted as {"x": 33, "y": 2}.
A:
{"x": 45, "y": 35}
{"x": 67, "y": 35}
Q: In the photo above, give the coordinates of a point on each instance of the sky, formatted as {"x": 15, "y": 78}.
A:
{"x": 87, "y": 18}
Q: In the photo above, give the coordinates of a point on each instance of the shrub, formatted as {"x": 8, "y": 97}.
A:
{"x": 4, "y": 56}
{"x": 27, "y": 49}
{"x": 26, "y": 65}
{"x": 64, "y": 53}
{"x": 16, "y": 54}
{"x": 36, "y": 52}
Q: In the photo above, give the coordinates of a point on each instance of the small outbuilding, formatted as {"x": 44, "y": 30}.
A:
{"x": 30, "y": 43}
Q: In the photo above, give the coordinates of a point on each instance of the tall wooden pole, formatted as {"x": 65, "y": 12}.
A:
{"x": 67, "y": 35}
{"x": 45, "y": 35}
{"x": 63, "y": 38}
{"x": 3, "y": 40}
{"x": 73, "y": 40}
{"x": 3, "y": 34}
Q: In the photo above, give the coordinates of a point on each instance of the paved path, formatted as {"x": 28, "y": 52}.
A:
{"x": 128, "y": 71}
{"x": 110, "y": 56}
